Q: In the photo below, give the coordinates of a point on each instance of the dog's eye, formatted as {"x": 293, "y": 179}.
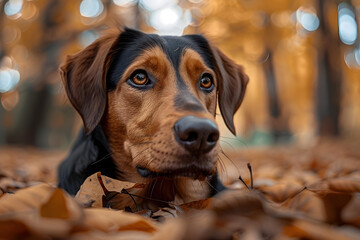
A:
{"x": 140, "y": 78}
{"x": 206, "y": 82}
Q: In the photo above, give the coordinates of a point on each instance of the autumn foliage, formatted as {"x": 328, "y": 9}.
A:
{"x": 292, "y": 193}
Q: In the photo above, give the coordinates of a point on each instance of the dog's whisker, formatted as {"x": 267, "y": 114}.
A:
{"x": 236, "y": 139}
{"x": 229, "y": 144}
{"x": 222, "y": 165}
{"x": 211, "y": 186}
{"x": 153, "y": 187}
{"x": 140, "y": 153}
{"x": 227, "y": 157}
{"x": 103, "y": 158}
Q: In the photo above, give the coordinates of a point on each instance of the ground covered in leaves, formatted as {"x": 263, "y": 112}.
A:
{"x": 293, "y": 193}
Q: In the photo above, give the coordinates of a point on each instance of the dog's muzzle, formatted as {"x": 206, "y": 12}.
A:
{"x": 197, "y": 135}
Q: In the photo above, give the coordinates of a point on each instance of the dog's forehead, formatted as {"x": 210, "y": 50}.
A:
{"x": 132, "y": 44}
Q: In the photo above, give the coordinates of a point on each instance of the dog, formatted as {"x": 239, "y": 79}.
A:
{"x": 148, "y": 105}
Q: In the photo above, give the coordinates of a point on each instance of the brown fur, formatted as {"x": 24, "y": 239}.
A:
{"x": 139, "y": 124}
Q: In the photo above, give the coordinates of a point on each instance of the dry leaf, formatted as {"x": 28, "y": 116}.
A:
{"x": 91, "y": 193}
{"x": 107, "y": 220}
{"x": 345, "y": 184}
{"x": 309, "y": 203}
{"x": 125, "y": 235}
{"x": 197, "y": 205}
{"x": 351, "y": 212}
{"x": 140, "y": 225}
{"x": 25, "y": 200}
{"x": 15, "y": 229}
{"x": 312, "y": 230}
{"x": 60, "y": 205}
{"x": 281, "y": 192}
{"x": 237, "y": 201}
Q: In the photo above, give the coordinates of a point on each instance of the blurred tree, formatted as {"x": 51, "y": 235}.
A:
{"x": 329, "y": 71}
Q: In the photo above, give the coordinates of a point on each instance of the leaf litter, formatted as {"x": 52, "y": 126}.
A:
{"x": 280, "y": 194}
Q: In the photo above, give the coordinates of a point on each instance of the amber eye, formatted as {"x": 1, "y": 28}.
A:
{"x": 206, "y": 82}
{"x": 140, "y": 78}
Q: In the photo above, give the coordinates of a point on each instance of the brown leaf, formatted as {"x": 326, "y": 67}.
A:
{"x": 345, "y": 184}
{"x": 55, "y": 207}
{"x": 25, "y": 200}
{"x": 111, "y": 220}
{"x": 10, "y": 184}
{"x": 61, "y": 205}
{"x": 237, "y": 201}
{"x": 91, "y": 192}
{"x": 281, "y": 192}
{"x": 124, "y": 235}
{"x": 309, "y": 203}
{"x": 15, "y": 229}
{"x": 351, "y": 212}
{"x": 197, "y": 205}
{"x": 140, "y": 225}
{"x": 311, "y": 230}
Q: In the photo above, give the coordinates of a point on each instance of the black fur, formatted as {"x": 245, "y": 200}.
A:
{"x": 90, "y": 154}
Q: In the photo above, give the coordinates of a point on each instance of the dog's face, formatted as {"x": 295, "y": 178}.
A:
{"x": 155, "y": 98}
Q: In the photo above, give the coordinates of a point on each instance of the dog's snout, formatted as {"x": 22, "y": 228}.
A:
{"x": 197, "y": 135}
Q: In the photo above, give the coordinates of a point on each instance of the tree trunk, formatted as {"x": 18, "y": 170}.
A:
{"x": 328, "y": 92}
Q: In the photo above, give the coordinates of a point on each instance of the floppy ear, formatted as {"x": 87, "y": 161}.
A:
{"x": 84, "y": 77}
{"x": 232, "y": 82}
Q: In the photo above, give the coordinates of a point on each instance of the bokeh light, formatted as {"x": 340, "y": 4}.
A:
{"x": 9, "y": 78}
{"x": 125, "y": 3}
{"x": 165, "y": 18}
{"x": 347, "y": 24}
{"x": 152, "y": 5}
{"x": 91, "y": 8}
{"x": 308, "y": 19}
{"x": 13, "y": 7}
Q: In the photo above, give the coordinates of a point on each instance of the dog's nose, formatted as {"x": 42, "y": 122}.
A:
{"x": 197, "y": 135}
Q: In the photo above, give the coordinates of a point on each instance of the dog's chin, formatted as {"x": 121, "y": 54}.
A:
{"x": 192, "y": 172}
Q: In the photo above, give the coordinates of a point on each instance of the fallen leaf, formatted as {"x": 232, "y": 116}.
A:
{"x": 25, "y": 200}
{"x": 281, "y": 192}
{"x": 345, "y": 184}
{"x": 311, "y": 230}
{"x": 91, "y": 193}
{"x": 107, "y": 220}
{"x": 61, "y": 205}
{"x": 124, "y": 235}
{"x": 11, "y": 184}
{"x": 197, "y": 205}
{"x": 308, "y": 203}
{"x": 13, "y": 229}
{"x": 140, "y": 225}
{"x": 351, "y": 212}
{"x": 240, "y": 201}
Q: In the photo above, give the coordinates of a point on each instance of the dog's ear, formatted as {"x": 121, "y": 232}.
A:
{"x": 84, "y": 77}
{"x": 232, "y": 82}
